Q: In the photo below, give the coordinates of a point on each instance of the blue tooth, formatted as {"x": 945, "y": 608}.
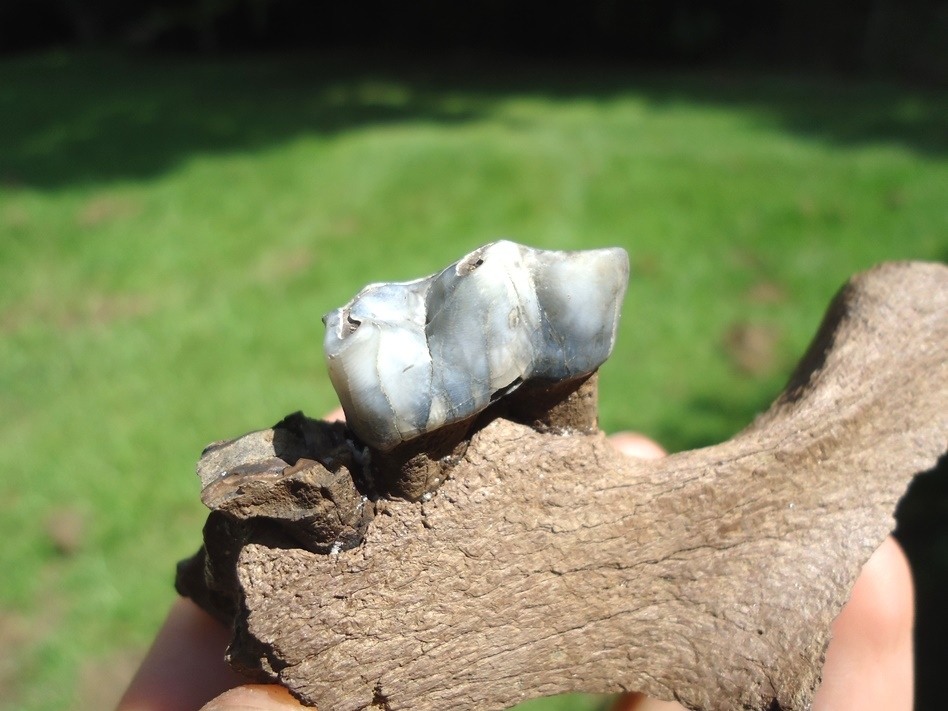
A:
{"x": 407, "y": 358}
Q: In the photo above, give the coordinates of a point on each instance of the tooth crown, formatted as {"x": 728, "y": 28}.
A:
{"x": 407, "y": 358}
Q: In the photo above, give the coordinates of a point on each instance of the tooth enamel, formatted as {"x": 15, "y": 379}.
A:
{"x": 407, "y": 358}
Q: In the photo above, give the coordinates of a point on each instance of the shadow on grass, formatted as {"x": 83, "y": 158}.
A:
{"x": 72, "y": 119}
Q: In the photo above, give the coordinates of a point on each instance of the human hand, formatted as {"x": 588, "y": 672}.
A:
{"x": 868, "y": 662}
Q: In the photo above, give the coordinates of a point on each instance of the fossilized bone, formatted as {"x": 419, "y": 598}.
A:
{"x": 517, "y": 555}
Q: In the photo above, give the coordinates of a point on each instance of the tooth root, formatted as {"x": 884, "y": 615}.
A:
{"x": 408, "y": 358}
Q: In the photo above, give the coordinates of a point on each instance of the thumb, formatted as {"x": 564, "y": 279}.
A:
{"x": 254, "y": 697}
{"x": 633, "y": 444}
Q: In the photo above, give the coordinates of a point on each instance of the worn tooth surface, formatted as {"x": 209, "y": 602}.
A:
{"x": 407, "y": 358}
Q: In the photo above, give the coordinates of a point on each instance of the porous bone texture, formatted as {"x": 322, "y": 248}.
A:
{"x": 407, "y": 358}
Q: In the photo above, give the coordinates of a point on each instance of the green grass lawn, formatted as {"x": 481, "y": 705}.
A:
{"x": 172, "y": 230}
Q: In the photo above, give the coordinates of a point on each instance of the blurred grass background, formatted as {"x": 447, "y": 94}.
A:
{"x": 172, "y": 230}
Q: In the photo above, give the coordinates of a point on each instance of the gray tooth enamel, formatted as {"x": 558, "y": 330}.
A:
{"x": 580, "y": 305}
{"x": 380, "y": 368}
{"x": 478, "y": 332}
{"x": 407, "y": 358}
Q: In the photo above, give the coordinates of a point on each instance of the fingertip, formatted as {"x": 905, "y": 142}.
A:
{"x": 869, "y": 660}
{"x": 884, "y": 595}
{"x": 254, "y": 697}
{"x": 633, "y": 444}
{"x": 641, "y": 702}
{"x": 337, "y": 415}
{"x": 185, "y": 665}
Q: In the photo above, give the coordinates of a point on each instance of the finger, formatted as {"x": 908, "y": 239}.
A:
{"x": 634, "y": 444}
{"x": 337, "y": 415}
{"x": 641, "y": 702}
{"x": 254, "y": 697}
{"x": 185, "y": 666}
{"x": 869, "y": 663}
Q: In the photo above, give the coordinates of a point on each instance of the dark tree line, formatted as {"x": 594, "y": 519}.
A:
{"x": 908, "y": 37}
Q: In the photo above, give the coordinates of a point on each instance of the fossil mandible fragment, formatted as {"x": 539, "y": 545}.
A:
{"x": 407, "y": 358}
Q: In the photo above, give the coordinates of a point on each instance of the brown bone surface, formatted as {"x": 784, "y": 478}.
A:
{"x": 549, "y": 563}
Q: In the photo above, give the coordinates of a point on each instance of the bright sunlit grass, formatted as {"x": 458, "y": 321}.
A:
{"x": 172, "y": 231}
